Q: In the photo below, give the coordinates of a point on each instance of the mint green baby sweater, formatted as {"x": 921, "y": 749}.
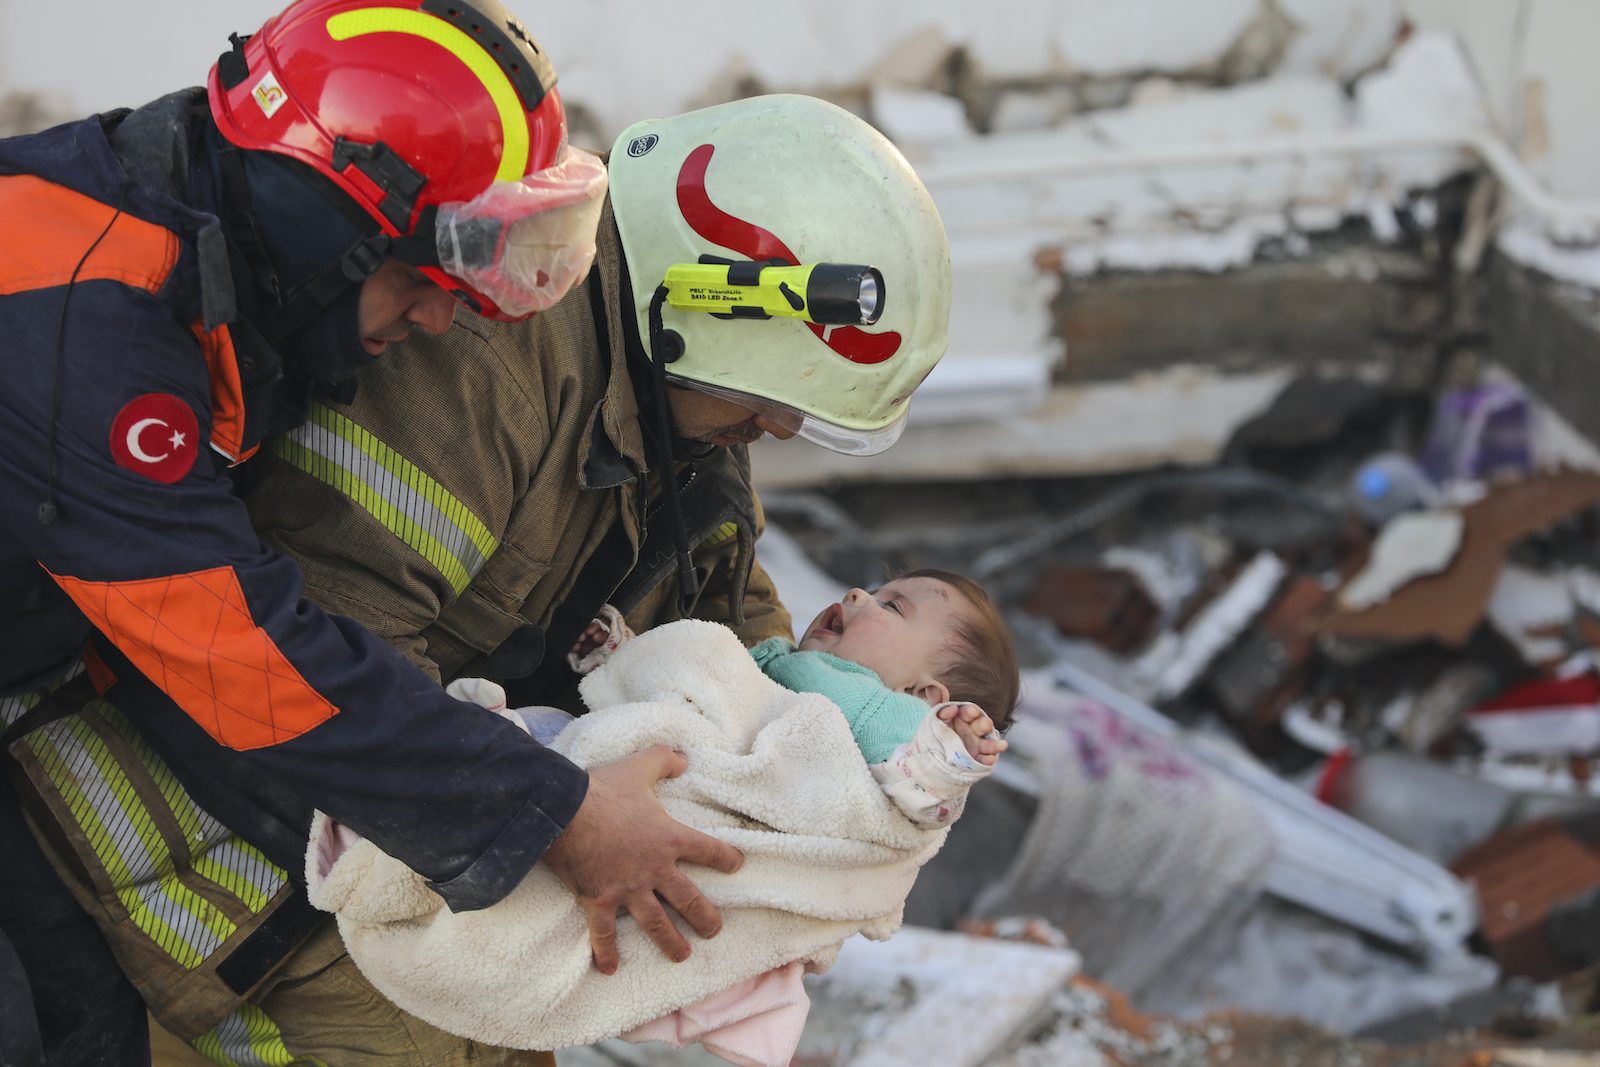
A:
{"x": 880, "y": 718}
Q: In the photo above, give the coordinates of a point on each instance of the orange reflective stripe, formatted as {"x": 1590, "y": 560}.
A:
{"x": 50, "y": 227}
{"x": 227, "y": 394}
{"x": 193, "y": 635}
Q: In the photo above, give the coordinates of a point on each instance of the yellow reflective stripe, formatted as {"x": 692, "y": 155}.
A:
{"x": 399, "y": 524}
{"x": 85, "y": 811}
{"x": 215, "y": 852}
{"x": 128, "y": 845}
{"x": 459, "y": 515}
{"x": 724, "y": 533}
{"x": 247, "y": 1038}
{"x": 513, "y": 125}
{"x": 237, "y": 867}
{"x": 186, "y": 925}
{"x": 414, "y": 507}
{"x": 199, "y": 828}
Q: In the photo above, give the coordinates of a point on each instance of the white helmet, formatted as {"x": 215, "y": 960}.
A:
{"x": 789, "y": 207}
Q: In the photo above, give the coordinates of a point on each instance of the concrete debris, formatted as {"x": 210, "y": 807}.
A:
{"x": 1520, "y": 876}
{"x": 1219, "y": 623}
{"x": 1447, "y": 606}
{"x": 1412, "y": 545}
{"x": 912, "y": 985}
{"x": 1183, "y": 416}
{"x": 1267, "y": 668}
{"x": 1437, "y": 811}
{"x": 1531, "y": 1057}
{"x": 1093, "y": 1026}
{"x": 1443, "y": 705}
{"x": 1030, "y": 928}
{"x": 1532, "y": 611}
{"x": 1110, "y": 606}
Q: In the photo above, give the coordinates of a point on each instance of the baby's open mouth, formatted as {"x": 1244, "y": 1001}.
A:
{"x": 832, "y": 621}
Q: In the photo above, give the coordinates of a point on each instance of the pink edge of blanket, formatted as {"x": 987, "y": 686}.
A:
{"x": 334, "y": 841}
{"x": 755, "y": 1023}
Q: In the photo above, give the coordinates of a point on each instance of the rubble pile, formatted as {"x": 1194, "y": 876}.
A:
{"x": 1373, "y": 656}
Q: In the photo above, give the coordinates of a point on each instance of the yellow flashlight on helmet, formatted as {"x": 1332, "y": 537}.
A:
{"x": 828, "y": 294}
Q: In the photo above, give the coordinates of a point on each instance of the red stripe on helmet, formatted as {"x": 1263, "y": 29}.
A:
{"x": 753, "y": 242}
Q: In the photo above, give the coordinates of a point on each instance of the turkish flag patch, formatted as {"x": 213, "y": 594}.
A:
{"x": 157, "y": 436}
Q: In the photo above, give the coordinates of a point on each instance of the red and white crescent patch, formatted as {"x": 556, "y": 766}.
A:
{"x": 157, "y": 436}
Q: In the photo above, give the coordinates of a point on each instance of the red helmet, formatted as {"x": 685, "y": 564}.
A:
{"x": 405, "y": 105}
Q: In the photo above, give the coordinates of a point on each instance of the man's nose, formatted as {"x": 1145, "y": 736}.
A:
{"x": 433, "y": 310}
{"x": 782, "y": 433}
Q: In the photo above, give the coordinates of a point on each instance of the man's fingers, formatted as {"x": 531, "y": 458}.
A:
{"x": 692, "y": 904}
{"x": 657, "y": 925}
{"x": 659, "y": 761}
{"x": 603, "y": 937}
{"x": 707, "y": 851}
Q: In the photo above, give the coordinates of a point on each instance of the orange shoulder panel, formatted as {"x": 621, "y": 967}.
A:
{"x": 193, "y": 635}
{"x": 227, "y": 394}
{"x": 49, "y": 228}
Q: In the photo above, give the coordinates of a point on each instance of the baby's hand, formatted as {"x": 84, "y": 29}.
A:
{"x": 593, "y": 636}
{"x": 976, "y": 731}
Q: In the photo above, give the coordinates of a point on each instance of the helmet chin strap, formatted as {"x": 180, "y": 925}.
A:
{"x": 285, "y": 312}
{"x": 688, "y": 580}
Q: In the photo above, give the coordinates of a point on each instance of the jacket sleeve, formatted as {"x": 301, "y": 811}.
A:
{"x": 174, "y": 576}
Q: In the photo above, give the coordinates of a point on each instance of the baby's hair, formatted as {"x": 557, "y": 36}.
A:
{"x": 985, "y": 671}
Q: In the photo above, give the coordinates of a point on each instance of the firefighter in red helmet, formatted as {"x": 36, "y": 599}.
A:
{"x": 183, "y": 278}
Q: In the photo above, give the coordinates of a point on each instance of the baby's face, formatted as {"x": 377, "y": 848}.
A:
{"x": 903, "y": 631}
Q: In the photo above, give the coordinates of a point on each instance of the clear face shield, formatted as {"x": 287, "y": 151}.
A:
{"x": 525, "y": 244}
{"x": 829, "y": 435}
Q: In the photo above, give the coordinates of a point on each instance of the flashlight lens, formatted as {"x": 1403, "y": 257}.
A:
{"x": 869, "y": 298}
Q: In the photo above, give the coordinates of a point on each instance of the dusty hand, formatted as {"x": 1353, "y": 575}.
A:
{"x": 621, "y": 850}
{"x": 974, "y": 726}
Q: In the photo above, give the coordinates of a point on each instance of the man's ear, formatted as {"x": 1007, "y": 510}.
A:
{"x": 931, "y": 692}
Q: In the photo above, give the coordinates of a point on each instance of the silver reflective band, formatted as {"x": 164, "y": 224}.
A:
{"x": 830, "y": 435}
{"x": 869, "y": 298}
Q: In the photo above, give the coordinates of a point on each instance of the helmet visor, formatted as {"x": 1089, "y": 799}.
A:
{"x": 830, "y": 435}
{"x": 524, "y": 244}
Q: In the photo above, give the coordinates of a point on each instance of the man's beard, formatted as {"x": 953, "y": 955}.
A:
{"x": 744, "y": 432}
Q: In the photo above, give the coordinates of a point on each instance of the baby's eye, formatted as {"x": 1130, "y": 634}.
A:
{"x": 892, "y": 605}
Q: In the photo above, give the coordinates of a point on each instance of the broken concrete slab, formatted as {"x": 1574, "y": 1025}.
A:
{"x": 1532, "y": 1057}
{"x": 1547, "y": 333}
{"x": 1182, "y": 415}
{"x": 1341, "y": 310}
{"x": 1519, "y": 876}
{"x": 1263, "y": 673}
{"x": 1532, "y": 610}
{"x": 1412, "y": 545}
{"x": 936, "y": 972}
{"x": 1448, "y": 606}
{"x": 1108, "y": 606}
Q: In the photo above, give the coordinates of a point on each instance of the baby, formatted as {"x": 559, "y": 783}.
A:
{"x": 929, "y": 639}
{"x": 772, "y": 770}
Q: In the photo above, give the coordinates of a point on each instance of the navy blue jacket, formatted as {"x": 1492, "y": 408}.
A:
{"x": 263, "y": 705}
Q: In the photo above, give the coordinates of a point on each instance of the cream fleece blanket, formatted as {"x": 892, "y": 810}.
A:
{"x": 774, "y": 773}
